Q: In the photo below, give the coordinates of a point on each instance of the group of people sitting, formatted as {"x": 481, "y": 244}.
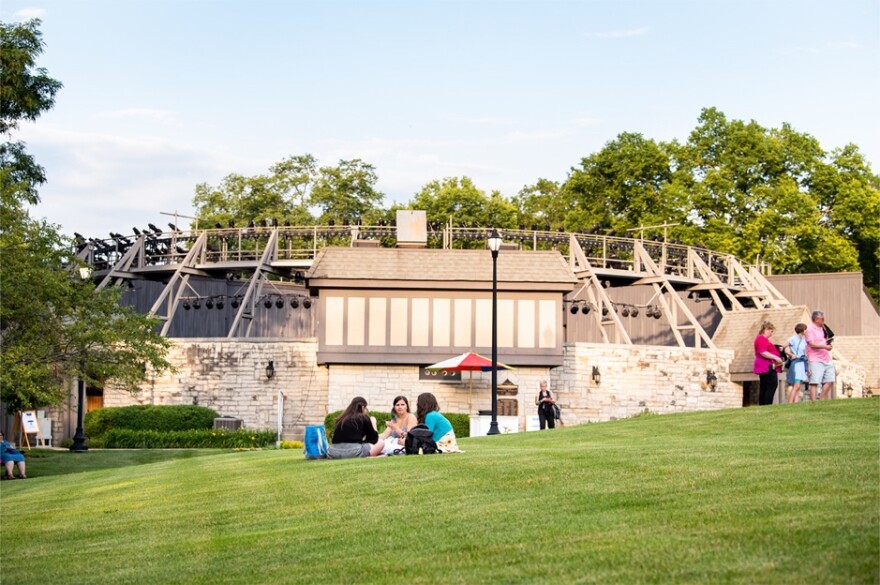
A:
{"x": 356, "y": 433}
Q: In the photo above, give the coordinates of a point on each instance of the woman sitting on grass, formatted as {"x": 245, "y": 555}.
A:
{"x": 11, "y": 456}
{"x": 355, "y": 433}
{"x": 428, "y": 414}
{"x": 401, "y": 421}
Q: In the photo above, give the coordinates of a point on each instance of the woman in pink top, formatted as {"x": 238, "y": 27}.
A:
{"x": 767, "y": 363}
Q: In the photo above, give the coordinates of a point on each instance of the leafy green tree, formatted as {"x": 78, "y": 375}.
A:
{"x": 53, "y": 325}
{"x": 459, "y": 201}
{"x": 282, "y": 195}
{"x": 624, "y": 185}
{"x": 347, "y": 194}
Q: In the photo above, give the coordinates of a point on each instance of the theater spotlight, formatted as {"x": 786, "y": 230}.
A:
{"x": 267, "y": 303}
{"x": 634, "y": 312}
{"x": 625, "y": 312}
{"x": 307, "y": 303}
{"x": 294, "y": 302}
{"x": 209, "y": 304}
{"x": 219, "y": 303}
{"x": 585, "y": 309}
{"x": 279, "y": 302}
{"x": 235, "y": 302}
{"x": 574, "y": 309}
{"x": 197, "y": 304}
{"x": 186, "y": 305}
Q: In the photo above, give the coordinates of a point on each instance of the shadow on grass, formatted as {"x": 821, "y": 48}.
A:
{"x": 48, "y": 462}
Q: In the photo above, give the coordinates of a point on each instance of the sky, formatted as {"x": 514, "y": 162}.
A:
{"x": 162, "y": 95}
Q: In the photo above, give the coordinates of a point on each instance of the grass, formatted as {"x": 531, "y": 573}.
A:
{"x": 783, "y": 494}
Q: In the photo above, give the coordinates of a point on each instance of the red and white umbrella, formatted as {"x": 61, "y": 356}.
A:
{"x": 468, "y": 362}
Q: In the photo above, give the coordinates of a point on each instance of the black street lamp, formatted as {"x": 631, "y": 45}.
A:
{"x": 494, "y": 245}
{"x": 79, "y": 437}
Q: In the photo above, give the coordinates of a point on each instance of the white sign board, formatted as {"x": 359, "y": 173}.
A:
{"x": 29, "y": 421}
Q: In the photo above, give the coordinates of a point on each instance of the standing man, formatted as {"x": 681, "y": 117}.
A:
{"x": 819, "y": 357}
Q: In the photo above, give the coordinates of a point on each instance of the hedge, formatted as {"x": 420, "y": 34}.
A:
{"x": 191, "y": 439}
{"x": 149, "y": 417}
{"x": 461, "y": 423}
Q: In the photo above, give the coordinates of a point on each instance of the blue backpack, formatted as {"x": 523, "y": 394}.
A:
{"x": 315, "y": 444}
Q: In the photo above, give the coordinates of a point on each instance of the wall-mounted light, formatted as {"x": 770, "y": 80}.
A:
{"x": 848, "y": 390}
{"x": 596, "y": 376}
{"x": 270, "y": 370}
{"x": 711, "y": 380}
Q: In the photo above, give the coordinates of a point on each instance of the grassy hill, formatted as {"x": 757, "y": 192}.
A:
{"x": 783, "y": 494}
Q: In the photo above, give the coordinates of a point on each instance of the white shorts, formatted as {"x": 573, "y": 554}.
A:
{"x": 391, "y": 445}
{"x": 821, "y": 372}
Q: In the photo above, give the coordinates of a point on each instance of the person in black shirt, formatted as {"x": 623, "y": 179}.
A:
{"x": 355, "y": 434}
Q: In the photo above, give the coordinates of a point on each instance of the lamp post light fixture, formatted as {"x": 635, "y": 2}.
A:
{"x": 270, "y": 370}
{"x": 494, "y": 243}
{"x": 79, "y": 436}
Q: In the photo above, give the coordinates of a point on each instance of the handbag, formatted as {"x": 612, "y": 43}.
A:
{"x": 315, "y": 444}
{"x": 557, "y": 412}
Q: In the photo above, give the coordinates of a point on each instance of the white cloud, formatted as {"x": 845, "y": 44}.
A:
{"x": 620, "y": 34}
{"x": 29, "y": 13}
{"x": 163, "y": 116}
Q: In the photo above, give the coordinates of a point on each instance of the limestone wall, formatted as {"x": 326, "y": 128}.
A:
{"x": 229, "y": 376}
{"x": 634, "y": 379}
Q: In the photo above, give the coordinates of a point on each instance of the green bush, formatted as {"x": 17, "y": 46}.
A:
{"x": 461, "y": 423}
{"x": 149, "y": 417}
{"x": 191, "y": 439}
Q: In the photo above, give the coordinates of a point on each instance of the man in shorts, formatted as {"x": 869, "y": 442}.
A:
{"x": 819, "y": 357}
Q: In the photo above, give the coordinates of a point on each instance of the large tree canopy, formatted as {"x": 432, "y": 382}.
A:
{"x": 53, "y": 325}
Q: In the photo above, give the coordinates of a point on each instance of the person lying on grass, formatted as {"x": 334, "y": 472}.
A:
{"x": 428, "y": 414}
{"x": 355, "y": 433}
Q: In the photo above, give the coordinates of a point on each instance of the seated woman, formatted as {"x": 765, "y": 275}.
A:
{"x": 428, "y": 414}
{"x": 355, "y": 433}
{"x": 395, "y": 431}
{"x": 10, "y": 456}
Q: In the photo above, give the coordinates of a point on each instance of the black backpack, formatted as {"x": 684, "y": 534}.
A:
{"x": 420, "y": 441}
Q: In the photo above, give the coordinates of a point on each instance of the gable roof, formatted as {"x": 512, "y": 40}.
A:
{"x": 432, "y": 268}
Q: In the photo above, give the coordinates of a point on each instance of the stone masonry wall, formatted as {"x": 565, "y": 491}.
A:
{"x": 635, "y": 379}
{"x": 229, "y": 376}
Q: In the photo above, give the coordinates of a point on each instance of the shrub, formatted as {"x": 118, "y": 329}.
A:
{"x": 149, "y": 417}
{"x": 291, "y": 445}
{"x": 191, "y": 439}
{"x": 461, "y": 423}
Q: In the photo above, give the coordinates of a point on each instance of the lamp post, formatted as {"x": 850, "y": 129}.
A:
{"x": 494, "y": 245}
{"x": 79, "y": 436}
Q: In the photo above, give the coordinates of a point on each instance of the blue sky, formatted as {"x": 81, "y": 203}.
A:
{"x": 161, "y": 95}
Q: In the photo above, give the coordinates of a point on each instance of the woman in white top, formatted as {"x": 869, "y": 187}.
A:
{"x": 395, "y": 430}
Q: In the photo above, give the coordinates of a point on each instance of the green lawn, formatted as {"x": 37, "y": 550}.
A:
{"x": 783, "y": 494}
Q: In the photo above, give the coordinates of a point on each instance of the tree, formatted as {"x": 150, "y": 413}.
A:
{"x": 53, "y": 325}
{"x": 346, "y": 193}
{"x": 284, "y": 195}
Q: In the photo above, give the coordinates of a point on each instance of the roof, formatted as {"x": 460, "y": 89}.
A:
{"x": 425, "y": 267}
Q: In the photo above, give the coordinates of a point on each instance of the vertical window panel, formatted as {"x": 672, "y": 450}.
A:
{"x": 399, "y": 322}
{"x": 378, "y": 321}
{"x": 525, "y": 332}
{"x": 333, "y": 313}
{"x": 483, "y": 318}
{"x": 420, "y": 314}
{"x": 506, "y": 318}
{"x": 547, "y": 313}
{"x": 462, "y": 332}
{"x": 442, "y": 322}
{"x": 356, "y": 317}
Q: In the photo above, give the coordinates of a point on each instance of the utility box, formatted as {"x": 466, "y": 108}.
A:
{"x": 412, "y": 228}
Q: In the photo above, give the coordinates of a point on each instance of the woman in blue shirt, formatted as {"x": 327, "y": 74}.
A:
{"x": 9, "y": 457}
{"x": 428, "y": 414}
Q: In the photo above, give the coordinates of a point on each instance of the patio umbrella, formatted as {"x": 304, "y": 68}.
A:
{"x": 468, "y": 362}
